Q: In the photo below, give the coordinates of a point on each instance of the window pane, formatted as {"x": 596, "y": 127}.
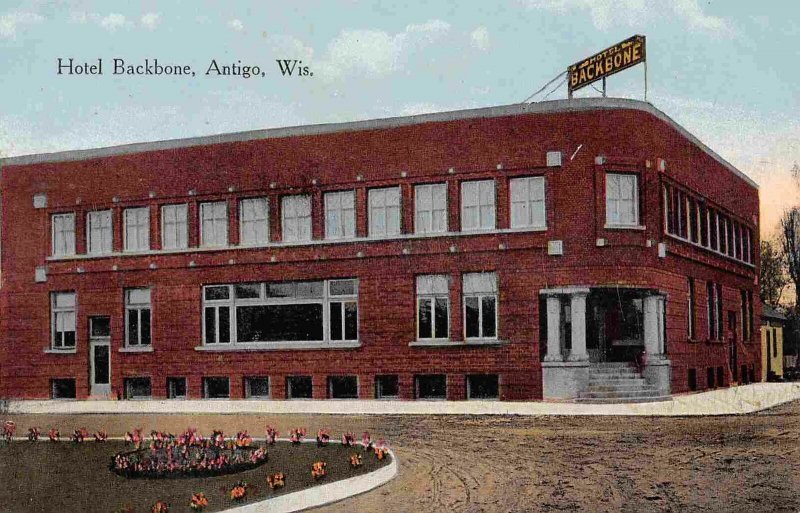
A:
{"x": 271, "y": 323}
{"x": 489, "y": 319}
{"x": 343, "y": 288}
{"x": 336, "y": 321}
{"x": 281, "y": 289}
{"x": 351, "y": 321}
{"x": 472, "y": 320}
{"x": 133, "y": 327}
{"x": 442, "y": 317}
{"x": 101, "y": 362}
{"x": 432, "y": 386}
{"x": 299, "y": 387}
{"x": 224, "y": 324}
{"x": 145, "y": 314}
{"x": 425, "y": 321}
{"x": 247, "y": 290}
{"x": 210, "y": 325}
{"x": 216, "y": 293}
{"x": 258, "y": 387}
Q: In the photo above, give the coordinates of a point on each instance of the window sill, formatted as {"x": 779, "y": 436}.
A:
{"x": 458, "y": 343}
{"x": 61, "y": 351}
{"x": 146, "y": 349}
{"x": 278, "y": 346}
{"x": 638, "y": 227}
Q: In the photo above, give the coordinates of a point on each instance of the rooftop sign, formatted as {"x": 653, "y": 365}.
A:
{"x": 611, "y": 60}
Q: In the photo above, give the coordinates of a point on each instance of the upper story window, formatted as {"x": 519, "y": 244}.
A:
{"x": 430, "y": 204}
{"x": 174, "y": 226}
{"x": 137, "y": 317}
{"x": 340, "y": 215}
{"x": 622, "y": 200}
{"x": 477, "y": 205}
{"x": 254, "y": 221}
{"x": 433, "y": 307}
{"x": 214, "y": 224}
{"x": 302, "y": 311}
{"x": 137, "y": 229}
{"x": 98, "y": 232}
{"x": 384, "y": 212}
{"x": 63, "y": 320}
{"x": 480, "y": 305}
{"x": 296, "y": 218}
{"x": 63, "y": 234}
{"x": 527, "y": 202}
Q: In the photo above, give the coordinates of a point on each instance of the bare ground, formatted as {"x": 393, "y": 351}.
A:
{"x": 520, "y": 464}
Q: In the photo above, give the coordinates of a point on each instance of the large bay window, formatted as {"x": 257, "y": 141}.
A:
{"x": 477, "y": 205}
{"x": 384, "y": 212}
{"x": 282, "y": 312}
{"x": 430, "y": 204}
{"x": 433, "y": 307}
{"x": 480, "y": 305}
{"x": 296, "y": 218}
{"x": 63, "y": 243}
{"x": 622, "y": 200}
{"x": 98, "y": 232}
{"x": 527, "y": 202}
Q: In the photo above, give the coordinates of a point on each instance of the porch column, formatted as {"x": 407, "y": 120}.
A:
{"x": 654, "y": 327}
{"x": 553, "y": 329}
{"x": 578, "y": 308}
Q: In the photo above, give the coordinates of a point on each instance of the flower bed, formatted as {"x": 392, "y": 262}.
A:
{"x": 188, "y": 455}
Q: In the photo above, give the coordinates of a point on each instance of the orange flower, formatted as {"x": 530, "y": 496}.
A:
{"x": 239, "y": 491}
{"x": 276, "y": 480}
{"x": 318, "y": 470}
{"x": 160, "y": 507}
{"x": 199, "y": 502}
{"x": 355, "y": 460}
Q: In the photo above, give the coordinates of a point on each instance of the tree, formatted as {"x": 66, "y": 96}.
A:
{"x": 772, "y": 279}
{"x": 790, "y": 242}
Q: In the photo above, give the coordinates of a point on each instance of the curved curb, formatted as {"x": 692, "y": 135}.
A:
{"x": 323, "y": 494}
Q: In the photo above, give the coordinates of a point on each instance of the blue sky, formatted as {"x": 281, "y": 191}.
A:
{"x": 725, "y": 70}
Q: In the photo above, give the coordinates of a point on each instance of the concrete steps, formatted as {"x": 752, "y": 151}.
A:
{"x": 611, "y": 383}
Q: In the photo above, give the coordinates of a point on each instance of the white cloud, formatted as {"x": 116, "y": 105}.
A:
{"x": 151, "y": 20}
{"x": 112, "y": 22}
{"x": 11, "y": 21}
{"x": 236, "y": 24}
{"x": 411, "y": 109}
{"x": 480, "y": 38}
{"x": 376, "y": 53}
{"x": 289, "y": 47}
{"x": 606, "y": 14}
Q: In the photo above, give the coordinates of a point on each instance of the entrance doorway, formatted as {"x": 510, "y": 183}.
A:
{"x": 616, "y": 325}
{"x": 100, "y": 355}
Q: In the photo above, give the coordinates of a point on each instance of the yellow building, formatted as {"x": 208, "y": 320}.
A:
{"x": 772, "y": 322}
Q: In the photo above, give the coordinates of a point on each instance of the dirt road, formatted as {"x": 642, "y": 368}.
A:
{"x": 516, "y": 464}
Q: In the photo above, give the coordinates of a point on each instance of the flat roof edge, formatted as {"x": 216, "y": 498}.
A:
{"x": 548, "y": 107}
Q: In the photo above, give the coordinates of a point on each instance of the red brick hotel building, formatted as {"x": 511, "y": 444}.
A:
{"x": 498, "y": 253}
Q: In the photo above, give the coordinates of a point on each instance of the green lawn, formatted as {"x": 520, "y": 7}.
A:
{"x": 69, "y": 477}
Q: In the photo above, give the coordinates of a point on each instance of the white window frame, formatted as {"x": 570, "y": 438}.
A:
{"x": 63, "y": 315}
{"x": 431, "y": 287}
{"x": 527, "y": 198}
{"x": 99, "y": 232}
{"x": 254, "y": 221}
{"x": 614, "y": 204}
{"x": 430, "y": 215}
{"x": 63, "y": 234}
{"x": 386, "y": 204}
{"x": 343, "y": 300}
{"x": 175, "y": 226}
{"x": 296, "y": 214}
{"x": 136, "y": 308}
{"x": 478, "y": 197}
{"x": 136, "y": 232}
{"x": 214, "y": 224}
{"x": 491, "y": 290}
{"x": 340, "y": 214}
{"x": 216, "y": 304}
{"x": 248, "y": 393}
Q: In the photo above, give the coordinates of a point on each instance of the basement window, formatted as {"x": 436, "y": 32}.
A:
{"x": 483, "y": 386}
{"x": 299, "y": 387}
{"x": 387, "y": 387}
{"x": 343, "y": 387}
{"x": 431, "y": 386}
{"x": 62, "y": 388}
{"x": 256, "y": 388}
{"x": 176, "y": 388}
{"x": 137, "y": 388}
{"x": 216, "y": 388}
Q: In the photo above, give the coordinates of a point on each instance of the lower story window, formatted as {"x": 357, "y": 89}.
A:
{"x": 431, "y": 386}
{"x": 387, "y": 387}
{"x": 343, "y": 387}
{"x": 216, "y": 388}
{"x": 480, "y": 305}
{"x": 62, "y": 388}
{"x": 483, "y": 386}
{"x": 692, "y": 378}
{"x": 137, "y": 388}
{"x": 298, "y": 387}
{"x": 256, "y": 387}
{"x": 176, "y": 388}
